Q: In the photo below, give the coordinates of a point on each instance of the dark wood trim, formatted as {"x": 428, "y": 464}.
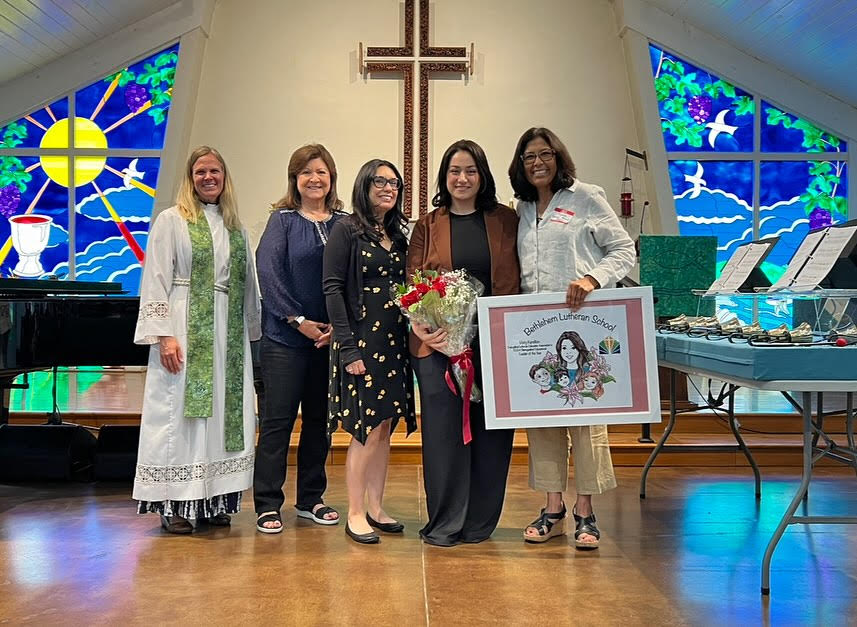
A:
{"x": 398, "y": 51}
{"x": 427, "y": 50}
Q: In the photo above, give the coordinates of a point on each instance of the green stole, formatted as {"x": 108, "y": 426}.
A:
{"x": 199, "y": 361}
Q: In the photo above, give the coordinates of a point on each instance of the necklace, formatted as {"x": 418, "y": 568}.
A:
{"x": 309, "y": 217}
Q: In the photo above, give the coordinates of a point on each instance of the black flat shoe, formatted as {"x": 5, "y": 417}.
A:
{"x": 362, "y": 538}
{"x": 220, "y": 520}
{"x": 393, "y": 527}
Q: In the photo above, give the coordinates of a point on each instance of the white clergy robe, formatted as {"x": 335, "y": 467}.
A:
{"x": 183, "y": 459}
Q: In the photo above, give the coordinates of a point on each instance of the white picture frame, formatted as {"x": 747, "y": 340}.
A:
{"x": 527, "y": 382}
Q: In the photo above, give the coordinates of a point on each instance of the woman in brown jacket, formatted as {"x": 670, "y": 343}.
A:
{"x": 465, "y": 484}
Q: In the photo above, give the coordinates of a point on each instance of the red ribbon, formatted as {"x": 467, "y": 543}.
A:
{"x": 463, "y": 361}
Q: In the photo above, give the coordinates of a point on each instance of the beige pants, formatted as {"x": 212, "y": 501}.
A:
{"x": 593, "y": 467}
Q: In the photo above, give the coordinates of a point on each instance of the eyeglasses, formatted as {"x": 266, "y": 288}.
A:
{"x": 546, "y": 155}
{"x": 380, "y": 182}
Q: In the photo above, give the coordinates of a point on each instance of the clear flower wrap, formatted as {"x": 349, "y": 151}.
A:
{"x": 447, "y": 301}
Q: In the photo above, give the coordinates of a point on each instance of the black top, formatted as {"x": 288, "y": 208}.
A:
{"x": 469, "y": 246}
{"x": 289, "y": 263}
{"x": 342, "y": 282}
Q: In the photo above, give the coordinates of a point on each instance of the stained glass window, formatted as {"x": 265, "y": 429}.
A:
{"x": 117, "y": 132}
{"x": 802, "y": 169}
{"x": 703, "y": 207}
{"x": 784, "y": 132}
{"x": 700, "y": 111}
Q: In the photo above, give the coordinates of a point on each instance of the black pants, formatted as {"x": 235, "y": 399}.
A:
{"x": 292, "y": 377}
{"x": 465, "y": 485}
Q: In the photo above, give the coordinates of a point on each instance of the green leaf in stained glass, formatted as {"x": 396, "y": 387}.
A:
{"x": 744, "y": 105}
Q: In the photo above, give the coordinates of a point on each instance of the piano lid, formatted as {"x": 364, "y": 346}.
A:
{"x": 36, "y": 288}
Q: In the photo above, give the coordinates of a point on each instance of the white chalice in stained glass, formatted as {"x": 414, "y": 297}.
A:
{"x": 30, "y": 234}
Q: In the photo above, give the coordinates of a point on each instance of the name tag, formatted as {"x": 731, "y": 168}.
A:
{"x": 563, "y": 216}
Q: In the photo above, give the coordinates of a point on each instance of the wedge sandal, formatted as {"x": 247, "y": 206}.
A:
{"x": 585, "y": 526}
{"x": 549, "y": 525}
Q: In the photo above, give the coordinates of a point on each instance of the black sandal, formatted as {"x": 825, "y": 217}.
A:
{"x": 220, "y": 520}
{"x": 585, "y": 526}
{"x": 269, "y": 517}
{"x": 318, "y": 516}
{"x": 548, "y": 525}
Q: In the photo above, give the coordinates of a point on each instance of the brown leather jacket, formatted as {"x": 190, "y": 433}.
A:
{"x": 430, "y": 249}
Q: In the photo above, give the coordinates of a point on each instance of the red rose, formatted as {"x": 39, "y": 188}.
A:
{"x": 409, "y": 299}
{"x": 439, "y": 286}
{"x": 421, "y": 288}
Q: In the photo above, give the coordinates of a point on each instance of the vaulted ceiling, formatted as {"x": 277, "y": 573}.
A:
{"x": 813, "y": 40}
{"x": 35, "y": 32}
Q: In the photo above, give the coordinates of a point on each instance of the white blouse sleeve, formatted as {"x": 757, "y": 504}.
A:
{"x": 155, "y": 318}
{"x": 619, "y": 252}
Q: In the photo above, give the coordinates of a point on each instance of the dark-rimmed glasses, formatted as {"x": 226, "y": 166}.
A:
{"x": 381, "y": 181}
{"x": 546, "y": 156}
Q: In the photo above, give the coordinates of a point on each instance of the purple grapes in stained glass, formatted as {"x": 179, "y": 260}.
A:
{"x": 10, "y": 198}
{"x": 819, "y": 218}
{"x": 135, "y": 96}
{"x": 699, "y": 108}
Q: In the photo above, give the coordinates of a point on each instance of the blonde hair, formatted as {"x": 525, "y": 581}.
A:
{"x": 298, "y": 161}
{"x": 188, "y": 202}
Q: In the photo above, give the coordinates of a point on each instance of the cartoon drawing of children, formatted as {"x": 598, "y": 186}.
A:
{"x": 562, "y": 378}
{"x": 541, "y": 377}
{"x": 572, "y": 354}
{"x": 590, "y": 385}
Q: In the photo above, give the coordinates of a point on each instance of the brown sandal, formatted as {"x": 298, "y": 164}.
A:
{"x": 176, "y": 524}
{"x": 549, "y": 525}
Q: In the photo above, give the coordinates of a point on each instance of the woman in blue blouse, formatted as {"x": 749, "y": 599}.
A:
{"x": 295, "y": 338}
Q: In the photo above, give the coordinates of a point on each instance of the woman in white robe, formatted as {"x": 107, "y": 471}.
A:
{"x": 188, "y": 469}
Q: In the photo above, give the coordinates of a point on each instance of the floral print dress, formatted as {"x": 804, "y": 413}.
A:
{"x": 362, "y": 402}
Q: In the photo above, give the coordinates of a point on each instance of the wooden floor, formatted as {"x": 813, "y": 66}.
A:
{"x": 690, "y": 554}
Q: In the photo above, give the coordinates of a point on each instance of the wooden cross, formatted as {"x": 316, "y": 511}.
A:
{"x": 403, "y": 60}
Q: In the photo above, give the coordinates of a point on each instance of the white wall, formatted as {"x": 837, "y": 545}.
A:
{"x": 281, "y": 73}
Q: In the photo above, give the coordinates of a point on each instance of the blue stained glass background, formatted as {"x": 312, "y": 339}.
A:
{"x": 142, "y": 130}
{"x": 34, "y": 133}
{"x": 693, "y": 103}
{"x": 777, "y": 138}
{"x": 716, "y": 201}
{"x": 103, "y": 254}
{"x": 782, "y": 211}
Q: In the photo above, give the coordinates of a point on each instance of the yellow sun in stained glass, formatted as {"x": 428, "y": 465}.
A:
{"x": 87, "y": 136}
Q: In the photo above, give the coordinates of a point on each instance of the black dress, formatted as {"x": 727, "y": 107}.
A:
{"x": 362, "y": 402}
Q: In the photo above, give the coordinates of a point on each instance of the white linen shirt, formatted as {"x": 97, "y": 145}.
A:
{"x": 579, "y": 234}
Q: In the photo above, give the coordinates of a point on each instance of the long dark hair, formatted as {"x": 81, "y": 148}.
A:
{"x": 565, "y": 170}
{"x": 486, "y": 197}
{"x": 363, "y": 216}
{"x": 582, "y": 351}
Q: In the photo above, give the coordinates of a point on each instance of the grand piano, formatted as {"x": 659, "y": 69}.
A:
{"x": 46, "y": 324}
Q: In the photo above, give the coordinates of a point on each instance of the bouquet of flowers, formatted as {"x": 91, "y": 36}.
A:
{"x": 447, "y": 301}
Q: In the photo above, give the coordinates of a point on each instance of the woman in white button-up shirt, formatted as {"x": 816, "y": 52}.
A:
{"x": 569, "y": 240}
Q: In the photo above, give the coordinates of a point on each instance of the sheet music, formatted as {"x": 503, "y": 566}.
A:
{"x": 728, "y": 270}
{"x": 801, "y": 255}
{"x": 824, "y": 256}
{"x": 737, "y": 270}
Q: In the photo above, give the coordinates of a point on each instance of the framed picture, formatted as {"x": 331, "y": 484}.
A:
{"x": 546, "y": 366}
